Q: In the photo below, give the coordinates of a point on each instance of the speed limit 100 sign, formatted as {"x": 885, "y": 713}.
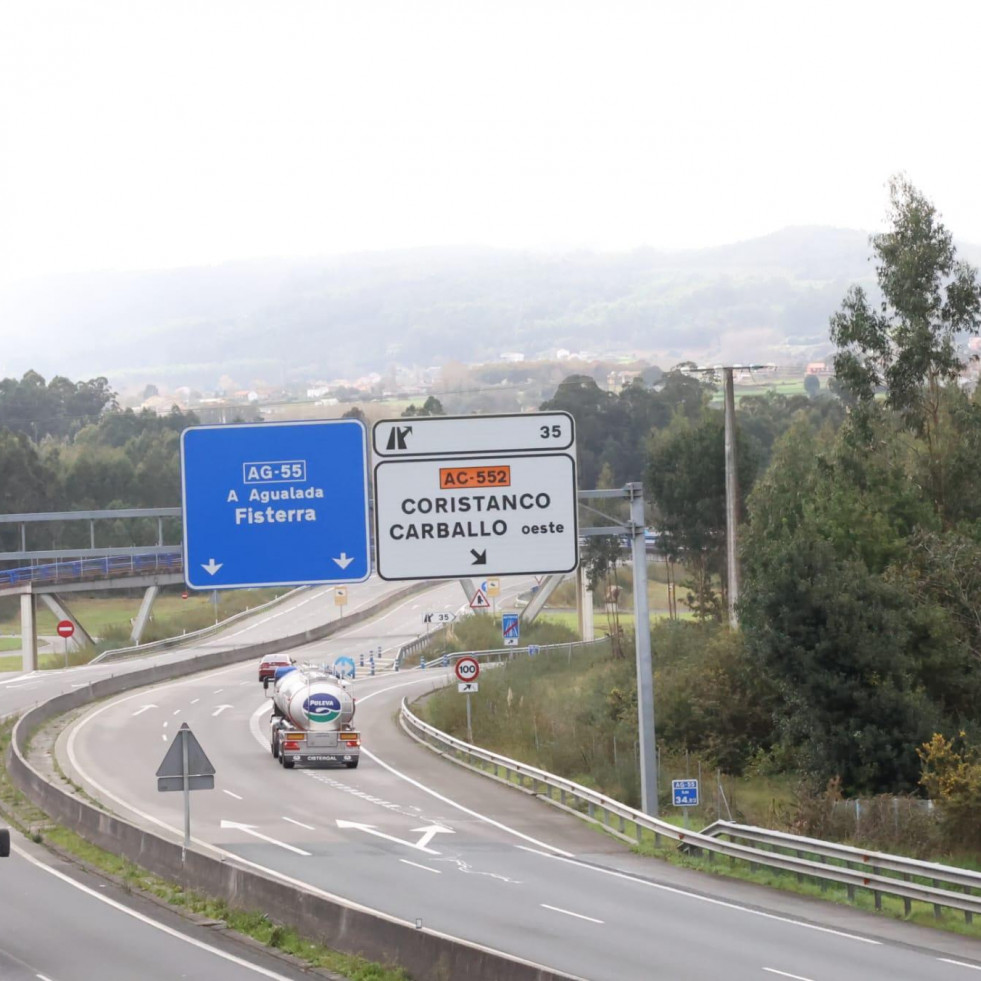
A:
{"x": 467, "y": 668}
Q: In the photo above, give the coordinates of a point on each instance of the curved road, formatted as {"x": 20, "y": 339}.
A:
{"x": 100, "y": 930}
{"x": 420, "y": 839}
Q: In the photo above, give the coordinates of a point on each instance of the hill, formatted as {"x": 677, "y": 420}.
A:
{"x": 291, "y": 321}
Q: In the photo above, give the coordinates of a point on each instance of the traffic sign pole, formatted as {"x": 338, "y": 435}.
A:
{"x": 469, "y": 726}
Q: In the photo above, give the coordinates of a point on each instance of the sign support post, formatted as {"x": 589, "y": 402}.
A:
{"x": 469, "y": 725}
{"x": 187, "y": 793}
{"x": 642, "y": 641}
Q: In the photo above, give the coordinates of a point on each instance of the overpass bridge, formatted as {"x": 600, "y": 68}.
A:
{"x": 48, "y": 573}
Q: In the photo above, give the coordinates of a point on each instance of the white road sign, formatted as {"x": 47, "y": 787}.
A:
{"x": 467, "y": 687}
{"x": 441, "y": 518}
{"x": 526, "y": 432}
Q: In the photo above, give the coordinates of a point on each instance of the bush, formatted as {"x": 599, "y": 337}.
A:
{"x": 951, "y": 775}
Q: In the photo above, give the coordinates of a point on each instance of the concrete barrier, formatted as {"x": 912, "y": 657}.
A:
{"x": 426, "y": 954}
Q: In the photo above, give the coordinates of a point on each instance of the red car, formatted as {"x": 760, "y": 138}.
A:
{"x": 268, "y": 665}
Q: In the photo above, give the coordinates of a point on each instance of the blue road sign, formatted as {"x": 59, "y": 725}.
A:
{"x": 684, "y": 793}
{"x": 275, "y": 504}
{"x": 344, "y": 666}
{"x": 533, "y": 649}
{"x": 511, "y": 627}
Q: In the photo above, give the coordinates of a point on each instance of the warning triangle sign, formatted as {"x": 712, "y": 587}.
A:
{"x": 480, "y": 601}
{"x": 200, "y": 772}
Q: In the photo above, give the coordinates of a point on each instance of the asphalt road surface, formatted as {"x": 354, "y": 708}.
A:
{"x": 418, "y": 838}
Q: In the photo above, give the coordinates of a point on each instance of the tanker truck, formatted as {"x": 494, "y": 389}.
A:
{"x": 312, "y": 719}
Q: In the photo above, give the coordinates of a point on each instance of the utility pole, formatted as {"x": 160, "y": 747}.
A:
{"x": 732, "y": 482}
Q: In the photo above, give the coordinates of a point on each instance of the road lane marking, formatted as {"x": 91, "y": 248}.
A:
{"x": 177, "y": 712}
{"x": 568, "y": 912}
{"x": 970, "y": 967}
{"x": 230, "y": 794}
{"x": 250, "y": 829}
{"x": 147, "y": 920}
{"x": 219, "y": 710}
{"x": 699, "y": 898}
{"x": 42, "y": 977}
{"x": 439, "y": 796}
{"x": 418, "y": 866}
{"x": 370, "y": 829}
{"x": 784, "y": 974}
{"x": 300, "y": 824}
{"x": 194, "y": 701}
{"x": 218, "y": 691}
{"x": 142, "y": 709}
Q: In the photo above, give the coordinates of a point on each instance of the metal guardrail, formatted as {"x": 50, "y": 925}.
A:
{"x": 630, "y": 824}
{"x": 875, "y": 862}
{"x": 119, "y": 653}
{"x": 497, "y": 654}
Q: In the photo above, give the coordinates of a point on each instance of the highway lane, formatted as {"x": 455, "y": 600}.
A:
{"x": 37, "y": 898}
{"x": 420, "y": 839}
{"x": 304, "y": 610}
{"x": 58, "y": 923}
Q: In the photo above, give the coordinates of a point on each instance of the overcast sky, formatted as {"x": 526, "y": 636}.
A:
{"x": 143, "y": 134}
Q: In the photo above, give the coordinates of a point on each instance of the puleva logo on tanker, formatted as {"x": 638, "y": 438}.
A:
{"x": 322, "y": 707}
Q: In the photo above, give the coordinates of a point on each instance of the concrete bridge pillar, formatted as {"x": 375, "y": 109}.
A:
{"x": 143, "y": 617}
{"x": 60, "y": 609}
{"x": 28, "y": 631}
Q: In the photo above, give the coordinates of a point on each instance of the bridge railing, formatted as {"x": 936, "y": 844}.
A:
{"x": 135, "y": 562}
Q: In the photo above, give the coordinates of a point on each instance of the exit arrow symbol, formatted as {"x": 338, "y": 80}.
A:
{"x": 344, "y": 561}
{"x": 250, "y": 830}
{"x": 430, "y": 832}
{"x": 212, "y": 567}
{"x": 479, "y": 558}
{"x": 219, "y": 710}
{"x": 372, "y": 830}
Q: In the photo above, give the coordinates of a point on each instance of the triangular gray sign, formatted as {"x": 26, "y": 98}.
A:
{"x": 200, "y": 772}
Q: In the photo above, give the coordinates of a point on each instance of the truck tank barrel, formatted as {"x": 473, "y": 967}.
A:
{"x": 313, "y": 701}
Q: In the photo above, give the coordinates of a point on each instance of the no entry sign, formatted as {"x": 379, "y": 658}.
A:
{"x": 65, "y": 628}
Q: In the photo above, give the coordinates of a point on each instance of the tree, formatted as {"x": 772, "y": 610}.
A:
{"x": 431, "y": 407}
{"x": 686, "y": 480}
{"x": 812, "y": 385}
{"x": 907, "y": 347}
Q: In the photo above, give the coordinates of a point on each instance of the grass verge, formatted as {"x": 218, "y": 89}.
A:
{"x": 26, "y": 817}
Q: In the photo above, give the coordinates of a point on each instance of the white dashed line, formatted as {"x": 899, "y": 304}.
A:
{"x": 230, "y": 794}
{"x": 300, "y": 824}
{"x": 405, "y": 861}
{"x": 568, "y": 912}
{"x": 784, "y": 974}
{"x": 970, "y": 967}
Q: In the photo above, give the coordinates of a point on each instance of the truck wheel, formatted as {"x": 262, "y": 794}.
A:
{"x": 274, "y": 744}
{"x": 353, "y": 765}
{"x": 288, "y": 764}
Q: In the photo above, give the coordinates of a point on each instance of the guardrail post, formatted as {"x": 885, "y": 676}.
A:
{"x": 907, "y": 903}
{"x": 968, "y": 915}
{"x": 876, "y": 895}
{"x": 824, "y": 882}
{"x": 800, "y": 875}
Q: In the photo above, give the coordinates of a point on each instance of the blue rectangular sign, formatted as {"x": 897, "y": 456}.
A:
{"x": 511, "y": 627}
{"x": 275, "y": 504}
{"x": 684, "y": 793}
